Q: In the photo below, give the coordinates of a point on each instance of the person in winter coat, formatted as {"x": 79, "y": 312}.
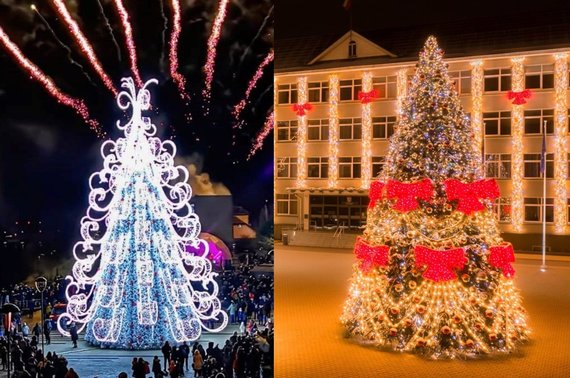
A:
{"x": 166, "y": 349}
{"x": 198, "y": 361}
{"x": 71, "y": 374}
{"x": 157, "y": 368}
{"x": 73, "y": 334}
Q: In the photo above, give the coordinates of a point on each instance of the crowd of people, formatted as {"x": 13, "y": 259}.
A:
{"x": 28, "y": 298}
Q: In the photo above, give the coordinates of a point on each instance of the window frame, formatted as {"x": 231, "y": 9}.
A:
{"x": 384, "y": 122}
{"x": 322, "y": 162}
{"x": 291, "y": 201}
{"x": 354, "y": 163}
{"x": 290, "y": 163}
{"x": 538, "y": 204}
{"x": 288, "y": 126}
{"x": 292, "y": 93}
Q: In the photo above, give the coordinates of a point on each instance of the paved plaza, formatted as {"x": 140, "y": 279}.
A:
{"x": 311, "y": 286}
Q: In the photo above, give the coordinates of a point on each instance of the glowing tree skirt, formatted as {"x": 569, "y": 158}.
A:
{"x": 134, "y": 286}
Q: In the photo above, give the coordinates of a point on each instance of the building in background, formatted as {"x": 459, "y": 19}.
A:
{"x": 337, "y": 100}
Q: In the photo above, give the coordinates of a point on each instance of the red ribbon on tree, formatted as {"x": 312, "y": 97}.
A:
{"x": 302, "y": 109}
{"x": 469, "y": 195}
{"x": 407, "y": 194}
{"x": 519, "y": 97}
{"x": 441, "y": 265}
{"x": 370, "y": 256}
{"x": 501, "y": 257}
{"x": 367, "y": 97}
{"x": 375, "y": 193}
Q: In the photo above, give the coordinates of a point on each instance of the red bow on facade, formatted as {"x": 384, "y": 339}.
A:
{"x": 407, "y": 194}
{"x": 441, "y": 265}
{"x": 370, "y": 256}
{"x": 501, "y": 257}
{"x": 302, "y": 109}
{"x": 519, "y": 97}
{"x": 375, "y": 193}
{"x": 367, "y": 97}
{"x": 468, "y": 195}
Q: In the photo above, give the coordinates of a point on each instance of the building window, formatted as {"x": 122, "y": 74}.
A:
{"x": 497, "y": 80}
{"x": 352, "y": 49}
{"x": 461, "y": 81}
{"x": 533, "y": 210}
{"x": 383, "y": 127}
{"x": 497, "y": 123}
{"x": 349, "y": 89}
{"x": 286, "y": 204}
{"x": 534, "y": 121}
{"x": 318, "y": 129}
{"x": 349, "y": 167}
{"x": 377, "y": 165}
{"x": 287, "y": 167}
{"x": 502, "y": 209}
{"x": 540, "y": 76}
{"x": 532, "y": 166}
{"x": 350, "y": 128}
{"x": 318, "y": 167}
{"x": 329, "y": 212}
{"x": 498, "y": 166}
{"x": 386, "y": 86}
{"x": 286, "y": 131}
{"x": 319, "y": 91}
{"x": 287, "y": 94}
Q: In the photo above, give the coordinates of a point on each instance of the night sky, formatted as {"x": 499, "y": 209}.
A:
{"x": 47, "y": 152}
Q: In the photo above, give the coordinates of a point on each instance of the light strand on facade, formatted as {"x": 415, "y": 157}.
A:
{"x": 477, "y": 104}
{"x": 366, "y": 167}
{"x": 302, "y": 134}
{"x": 333, "y": 130}
{"x": 402, "y": 88}
{"x": 560, "y": 151}
{"x": 517, "y": 120}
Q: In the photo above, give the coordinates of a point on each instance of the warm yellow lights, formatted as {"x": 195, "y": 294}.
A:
{"x": 517, "y": 121}
{"x": 333, "y": 130}
{"x": 477, "y": 104}
{"x": 402, "y": 88}
{"x": 366, "y": 170}
{"x": 302, "y": 134}
{"x": 560, "y": 151}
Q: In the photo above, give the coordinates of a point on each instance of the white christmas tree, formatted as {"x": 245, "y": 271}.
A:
{"x": 134, "y": 286}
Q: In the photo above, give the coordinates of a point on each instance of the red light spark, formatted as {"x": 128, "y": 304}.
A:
{"x": 251, "y": 85}
{"x": 36, "y": 73}
{"x": 260, "y": 138}
{"x": 83, "y": 44}
{"x": 179, "y": 80}
{"x": 212, "y": 45}
{"x": 124, "y": 15}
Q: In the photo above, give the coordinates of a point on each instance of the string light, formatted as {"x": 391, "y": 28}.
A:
{"x": 477, "y": 104}
{"x": 517, "y": 120}
{"x": 83, "y": 43}
{"x": 441, "y": 265}
{"x": 375, "y": 193}
{"x": 370, "y": 257}
{"x": 366, "y": 168}
{"x": 133, "y": 285}
{"x": 469, "y": 195}
{"x": 302, "y": 135}
{"x": 130, "y": 42}
{"x": 402, "y": 88}
{"x": 502, "y": 256}
{"x": 560, "y": 149}
{"x": 408, "y": 194}
{"x": 333, "y": 130}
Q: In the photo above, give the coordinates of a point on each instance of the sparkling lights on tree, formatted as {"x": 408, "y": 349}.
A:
{"x": 134, "y": 286}
{"x": 433, "y": 276}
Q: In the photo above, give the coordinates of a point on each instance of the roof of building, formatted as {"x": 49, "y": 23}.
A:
{"x": 487, "y": 36}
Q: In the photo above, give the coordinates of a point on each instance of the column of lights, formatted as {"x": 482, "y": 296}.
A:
{"x": 560, "y": 151}
{"x": 302, "y": 134}
{"x": 517, "y": 119}
{"x": 477, "y": 104}
{"x": 402, "y": 88}
{"x": 366, "y": 163}
{"x": 333, "y": 130}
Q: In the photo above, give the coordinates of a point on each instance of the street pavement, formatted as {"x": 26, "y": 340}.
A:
{"x": 311, "y": 285}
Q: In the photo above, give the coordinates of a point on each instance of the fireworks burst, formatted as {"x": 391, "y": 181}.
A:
{"x": 212, "y": 46}
{"x": 173, "y": 56}
{"x": 251, "y": 85}
{"x": 124, "y": 16}
{"x": 260, "y": 138}
{"x": 37, "y": 74}
{"x": 83, "y": 43}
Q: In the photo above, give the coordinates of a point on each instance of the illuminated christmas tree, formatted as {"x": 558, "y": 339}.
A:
{"x": 134, "y": 286}
{"x": 433, "y": 275}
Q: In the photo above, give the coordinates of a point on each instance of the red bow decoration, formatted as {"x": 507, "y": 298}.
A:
{"x": 440, "y": 264}
{"x": 370, "y": 256}
{"x": 519, "y": 97}
{"x": 367, "y": 97}
{"x": 501, "y": 257}
{"x": 408, "y": 193}
{"x": 302, "y": 109}
{"x": 375, "y": 193}
{"x": 470, "y": 194}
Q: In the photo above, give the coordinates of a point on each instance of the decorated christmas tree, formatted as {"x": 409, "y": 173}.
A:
{"x": 134, "y": 286}
{"x": 433, "y": 275}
